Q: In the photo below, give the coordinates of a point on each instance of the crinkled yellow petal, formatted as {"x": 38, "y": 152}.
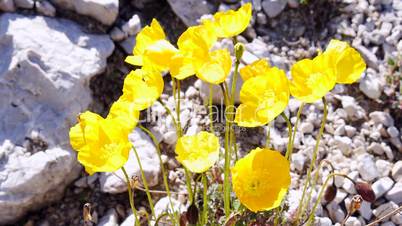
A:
{"x": 181, "y": 67}
{"x": 102, "y": 144}
{"x": 231, "y": 23}
{"x": 246, "y": 116}
{"x": 267, "y": 94}
{"x": 347, "y": 62}
{"x": 260, "y": 179}
{"x": 159, "y": 55}
{"x": 198, "y": 153}
{"x": 257, "y": 68}
{"x": 312, "y": 79}
{"x": 134, "y": 60}
{"x": 147, "y": 36}
{"x": 142, "y": 87}
{"x": 217, "y": 69}
{"x": 124, "y": 114}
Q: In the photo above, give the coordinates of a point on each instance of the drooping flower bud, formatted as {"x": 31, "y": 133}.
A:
{"x": 192, "y": 214}
{"x": 86, "y": 213}
{"x": 330, "y": 193}
{"x": 365, "y": 190}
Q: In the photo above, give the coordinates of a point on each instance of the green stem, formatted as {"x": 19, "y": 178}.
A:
{"x": 226, "y": 182}
{"x": 295, "y": 131}
{"x": 145, "y": 183}
{"x": 180, "y": 132}
{"x": 205, "y": 200}
{"x": 211, "y": 116}
{"x": 311, "y": 216}
{"x": 300, "y": 211}
{"x": 289, "y": 133}
{"x": 169, "y": 112}
{"x": 130, "y": 196}
{"x": 165, "y": 181}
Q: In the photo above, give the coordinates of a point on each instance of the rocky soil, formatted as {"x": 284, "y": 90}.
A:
{"x": 61, "y": 57}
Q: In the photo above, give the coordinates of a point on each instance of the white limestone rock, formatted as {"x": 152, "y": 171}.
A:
{"x": 44, "y": 79}
{"x": 189, "y": 11}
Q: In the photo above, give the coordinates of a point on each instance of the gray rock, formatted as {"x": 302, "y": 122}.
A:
{"x": 44, "y": 79}
{"x": 384, "y": 167}
{"x": 352, "y": 221}
{"x": 45, "y": 8}
{"x": 380, "y": 117}
{"x": 395, "y": 194}
{"x": 322, "y": 221}
{"x": 128, "y": 44}
{"x": 371, "y": 86}
{"x": 104, "y": 11}
{"x": 368, "y": 56}
{"x": 393, "y": 131}
{"x": 163, "y": 206}
{"x": 7, "y": 5}
{"x": 381, "y": 186}
{"x": 376, "y": 148}
{"x": 26, "y": 4}
{"x": 117, "y": 34}
{"x": 273, "y": 7}
{"x": 110, "y": 219}
{"x": 350, "y": 130}
{"x": 133, "y": 26}
{"x": 366, "y": 167}
{"x": 344, "y": 144}
{"x": 384, "y": 209}
{"x": 261, "y": 18}
{"x": 335, "y": 212}
{"x": 396, "y": 171}
{"x": 189, "y": 11}
{"x": 115, "y": 182}
{"x": 306, "y": 127}
{"x": 365, "y": 210}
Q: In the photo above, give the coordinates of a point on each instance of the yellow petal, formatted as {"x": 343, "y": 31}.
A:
{"x": 147, "y": 36}
{"x": 269, "y": 94}
{"x": 260, "y": 179}
{"x": 246, "y": 116}
{"x": 217, "y": 68}
{"x": 181, "y": 67}
{"x": 124, "y": 114}
{"x": 347, "y": 62}
{"x": 312, "y": 79}
{"x": 159, "y": 54}
{"x": 142, "y": 88}
{"x": 231, "y": 23}
{"x": 198, "y": 153}
{"x": 257, "y": 68}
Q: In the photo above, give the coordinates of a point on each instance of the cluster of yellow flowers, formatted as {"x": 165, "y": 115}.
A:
{"x": 260, "y": 179}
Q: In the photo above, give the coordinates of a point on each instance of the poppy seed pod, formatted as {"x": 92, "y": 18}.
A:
{"x": 192, "y": 214}
{"x": 365, "y": 190}
{"x": 355, "y": 204}
{"x": 330, "y": 193}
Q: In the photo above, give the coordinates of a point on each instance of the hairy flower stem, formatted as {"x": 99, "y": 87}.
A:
{"x": 205, "y": 200}
{"x": 312, "y": 213}
{"x": 289, "y": 157}
{"x": 226, "y": 182}
{"x": 211, "y": 110}
{"x": 300, "y": 210}
{"x": 145, "y": 183}
{"x": 131, "y": 197}
{"x": 165, "y": 181}
{"x": 289, "y": 125}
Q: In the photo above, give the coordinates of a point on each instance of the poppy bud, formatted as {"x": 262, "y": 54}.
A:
{"x": 365, "y": 191}
{"x": 239, "y": 50}
{"x": 355, "y": 204}
{"x": 330, "y": 193}
{"x": 183, "y": 219}
{"x": 192, "y": 214}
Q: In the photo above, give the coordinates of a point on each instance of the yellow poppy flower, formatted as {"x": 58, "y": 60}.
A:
{"x": 231, "y": 23}
{"x": 125, "y": 114}
{"x": 151, "y": 48}
{"x": 347, "y": 62}
{"x": 263, "y": 98}
{"x": 102, "y": 145}
{"x": 199, "y": 152}
{"x": 258, "y": 67}
{"x": 261, "y": 179}
{"x": 196, "y": 58}
{"x": 142, "y": 87}
{"x": 312, "y": 79}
